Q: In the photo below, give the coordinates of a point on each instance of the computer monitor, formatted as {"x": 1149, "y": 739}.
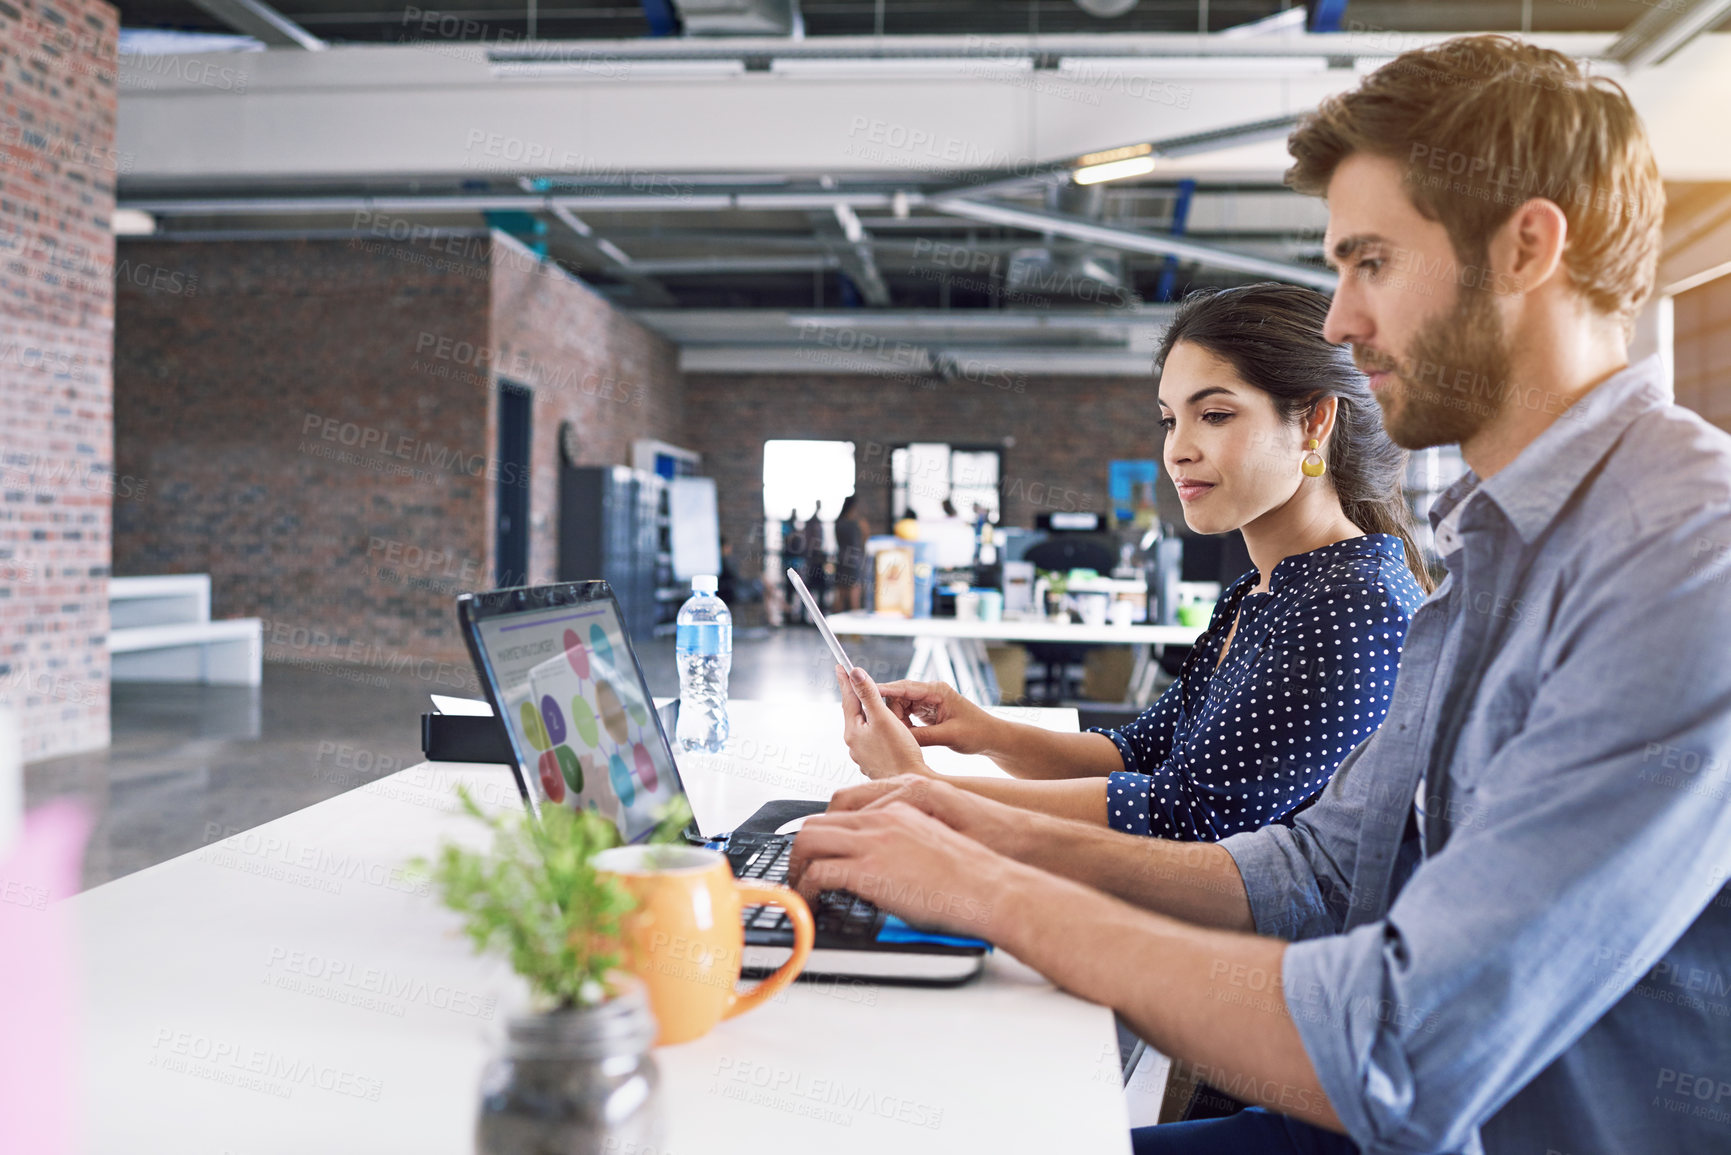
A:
{"x": 559, "y": 669}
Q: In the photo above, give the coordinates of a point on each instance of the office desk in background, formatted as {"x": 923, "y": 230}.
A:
{"x": 953, "y": 650}
{"x": 287, "y": 990}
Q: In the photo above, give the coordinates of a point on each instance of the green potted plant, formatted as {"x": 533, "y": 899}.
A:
{"x": 576, "y": 1075}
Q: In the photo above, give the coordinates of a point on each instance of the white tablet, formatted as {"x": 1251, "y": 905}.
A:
{"x": 841, "y": 657}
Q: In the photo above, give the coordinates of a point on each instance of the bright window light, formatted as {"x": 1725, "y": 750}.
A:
{"x": 132, "y": 223}
{"x": 799, "y": 474}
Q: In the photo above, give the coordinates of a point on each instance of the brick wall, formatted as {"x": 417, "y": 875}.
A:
{"x": 1057, "y": 436}
{"x": 57, "y": 174}
{"x": 306, "y": 438}
{"x": 587, "y": 363}
{"x": 316, "y": 424}
{"x": 1701, "y": 347}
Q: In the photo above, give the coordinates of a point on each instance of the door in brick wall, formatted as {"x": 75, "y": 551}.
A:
{"x": 511, "y": 532}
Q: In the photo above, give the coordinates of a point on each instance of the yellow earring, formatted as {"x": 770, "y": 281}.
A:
{"x": 1313, "y": 464}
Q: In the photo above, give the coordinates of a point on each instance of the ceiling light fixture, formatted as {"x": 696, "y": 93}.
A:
{"x": 1114, "y": 164}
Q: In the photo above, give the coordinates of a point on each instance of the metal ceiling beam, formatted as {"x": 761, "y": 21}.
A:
{"x": 977, "y": 51}
{"x": 599, "y": 250}
{"x": 992, "y": 364}
{"x": 1664, "y": 29}
{"x": 259, "y": 20}
{"x": 1133, "y": 241}
{"x": 715, "y": 266}
{"x": 522, "y": 202}
{"x": 764, "y": 326}
{"x": 1000, "y": 321}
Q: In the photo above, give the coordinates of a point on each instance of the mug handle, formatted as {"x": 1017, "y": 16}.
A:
{"x": 804, "y": 933}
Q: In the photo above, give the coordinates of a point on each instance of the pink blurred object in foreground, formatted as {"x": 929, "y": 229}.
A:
{"x": 37, "y": 965}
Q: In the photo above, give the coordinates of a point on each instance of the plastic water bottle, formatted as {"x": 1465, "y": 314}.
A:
{"x": 704, "y": 647}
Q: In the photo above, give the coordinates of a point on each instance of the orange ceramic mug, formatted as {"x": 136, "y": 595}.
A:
{"x": 685, "y": 939}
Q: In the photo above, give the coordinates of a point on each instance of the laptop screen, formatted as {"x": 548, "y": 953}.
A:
{"x": 580, "y": 718}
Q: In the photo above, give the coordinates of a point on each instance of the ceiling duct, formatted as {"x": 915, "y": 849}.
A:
{"x": 1069, "y": 269}
{"x": 1664, "y": 30}
{"x": 740, "y": 17}
{"x": 1105, "y": 9}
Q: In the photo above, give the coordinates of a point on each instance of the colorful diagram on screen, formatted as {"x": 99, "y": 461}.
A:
{"x": 592, "y": 727}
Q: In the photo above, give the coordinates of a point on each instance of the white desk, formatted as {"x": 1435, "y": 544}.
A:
{"x": 285, "y": 990}
{"x": 952, "y": 650}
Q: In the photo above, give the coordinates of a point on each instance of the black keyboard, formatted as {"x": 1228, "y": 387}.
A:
{"x": 836, "y": 912}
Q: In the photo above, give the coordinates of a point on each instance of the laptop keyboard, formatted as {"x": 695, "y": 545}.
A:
{"x": 836, "y": 912}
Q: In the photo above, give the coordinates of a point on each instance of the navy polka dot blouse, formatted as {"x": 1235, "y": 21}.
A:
{"x": 1307, "y": 678}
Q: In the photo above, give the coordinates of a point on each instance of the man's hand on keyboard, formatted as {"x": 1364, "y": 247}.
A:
{"x": 996, "y": 825}
{"x": 906, "y": 862}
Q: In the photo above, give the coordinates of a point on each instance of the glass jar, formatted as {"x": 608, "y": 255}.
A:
{"x": 574, "y": 1082}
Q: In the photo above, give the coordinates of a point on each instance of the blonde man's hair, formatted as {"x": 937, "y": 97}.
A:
{"x": 1482, "y": 124}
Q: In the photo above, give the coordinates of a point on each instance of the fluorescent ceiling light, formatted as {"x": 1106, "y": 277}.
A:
{"x": 1109, "y": 154}
{"x": 1114, "y": 164}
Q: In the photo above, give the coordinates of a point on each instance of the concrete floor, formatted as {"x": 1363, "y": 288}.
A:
{"x": 192, "y": 764}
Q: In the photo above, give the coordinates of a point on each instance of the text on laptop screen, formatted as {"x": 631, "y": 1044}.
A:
{"x": 575, "y": 706}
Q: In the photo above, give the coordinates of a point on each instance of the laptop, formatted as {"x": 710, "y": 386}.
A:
{"x": 559, "y": 668}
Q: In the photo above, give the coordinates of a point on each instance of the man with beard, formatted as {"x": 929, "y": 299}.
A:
{"x": 1504, "y": 927}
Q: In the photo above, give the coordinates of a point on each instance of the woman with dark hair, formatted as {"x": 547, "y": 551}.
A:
{"x": 1271, "y": 431}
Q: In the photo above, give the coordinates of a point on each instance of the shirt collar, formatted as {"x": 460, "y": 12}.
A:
{"x": 1532, "y": 489}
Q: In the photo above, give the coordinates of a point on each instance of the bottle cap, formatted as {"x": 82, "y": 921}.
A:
{"x": 705, "y": 583}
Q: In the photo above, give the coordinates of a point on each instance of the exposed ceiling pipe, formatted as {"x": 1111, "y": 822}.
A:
{"x": 841, "y": 231}
{"x": 1061, "y": 267}
{"x": 993, "y": 364}
{"x": 1058, "y": 224}
{"x": 728, "y": 266}
{"x": 1134, "y": 241}
{"x": 262, "y": 22}
{"x": 1190, "y": 144}
{"x": 1664, "y": 29}
{"x": 505, "y": 202}
{"x": 1105, "y": 9}
{"x": 600, "y": 251}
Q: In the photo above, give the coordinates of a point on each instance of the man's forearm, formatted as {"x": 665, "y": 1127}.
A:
{"x": 1209, "y": 997}
{"x": 1026, "y": 751}
{"x": 1196, "y": 882}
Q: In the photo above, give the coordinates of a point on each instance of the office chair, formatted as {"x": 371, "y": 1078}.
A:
{"x": 1063, "y": 553}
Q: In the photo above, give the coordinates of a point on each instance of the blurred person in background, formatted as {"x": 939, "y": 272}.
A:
{"x": 850, "y": 555}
